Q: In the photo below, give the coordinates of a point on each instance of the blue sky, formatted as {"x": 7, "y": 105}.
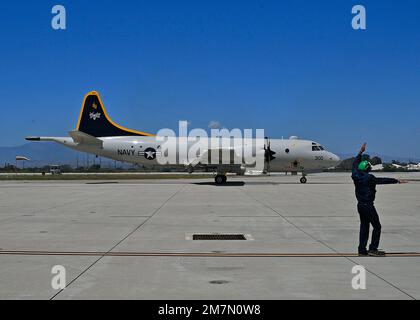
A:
{"x": 290, "y": 67}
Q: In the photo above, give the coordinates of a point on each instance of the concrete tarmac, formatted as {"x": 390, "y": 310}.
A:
{"x": 132, "y": 239}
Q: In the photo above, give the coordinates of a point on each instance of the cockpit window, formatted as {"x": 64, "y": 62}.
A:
{"x": 317, "y": 147}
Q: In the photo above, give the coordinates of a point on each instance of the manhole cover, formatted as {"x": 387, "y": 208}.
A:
{"x": 218, "y": 237}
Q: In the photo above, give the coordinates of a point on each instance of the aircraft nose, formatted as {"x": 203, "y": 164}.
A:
{"x": 333, "y": 158}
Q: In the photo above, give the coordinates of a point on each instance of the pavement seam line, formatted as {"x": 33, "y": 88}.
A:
{"x": 118, "y": 243}
{"x": 198, "y": 254}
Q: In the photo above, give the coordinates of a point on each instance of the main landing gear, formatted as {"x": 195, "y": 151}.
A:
{"x": 303, "y": 180}
{"x": 220, "y": 179}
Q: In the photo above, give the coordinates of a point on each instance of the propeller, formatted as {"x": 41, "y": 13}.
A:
{"x": 268, "y": 155}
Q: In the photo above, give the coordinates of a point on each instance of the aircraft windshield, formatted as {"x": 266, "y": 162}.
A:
{"x": 317, "y": 147}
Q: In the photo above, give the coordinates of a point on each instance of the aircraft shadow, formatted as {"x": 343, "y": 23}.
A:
{"x": 294, "y": 183}
{"x": 227, "y": 184}
{"x": 255, "y": 183}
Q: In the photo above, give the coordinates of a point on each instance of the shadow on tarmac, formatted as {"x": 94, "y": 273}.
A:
{"x": 257, "y": 183}
{"x": 227, "y": 184}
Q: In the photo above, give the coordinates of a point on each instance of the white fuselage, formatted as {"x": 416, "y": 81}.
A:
{"x": 291, "y": 155}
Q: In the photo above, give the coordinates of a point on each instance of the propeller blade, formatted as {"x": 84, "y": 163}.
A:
{"x": 268, "y": 155}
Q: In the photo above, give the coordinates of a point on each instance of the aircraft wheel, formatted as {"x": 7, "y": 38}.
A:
{"x": 220, "y": 179}
{"x": 303, "y": 180}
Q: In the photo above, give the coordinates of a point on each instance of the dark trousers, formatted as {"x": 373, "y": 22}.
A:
{"x": 368, "y": 216}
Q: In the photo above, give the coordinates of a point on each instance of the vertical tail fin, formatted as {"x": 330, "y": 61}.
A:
{"x": 95, "y": 121}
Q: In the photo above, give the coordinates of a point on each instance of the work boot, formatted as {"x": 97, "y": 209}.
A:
{"x": 376, "y": 253}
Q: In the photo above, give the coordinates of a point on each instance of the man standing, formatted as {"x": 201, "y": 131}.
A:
{"x": 365, "y": 184}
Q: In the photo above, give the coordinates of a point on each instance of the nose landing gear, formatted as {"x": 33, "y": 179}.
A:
{"x": 303, "y": 180}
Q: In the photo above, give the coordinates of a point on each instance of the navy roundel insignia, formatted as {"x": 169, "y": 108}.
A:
{"x": 150, "y": 154}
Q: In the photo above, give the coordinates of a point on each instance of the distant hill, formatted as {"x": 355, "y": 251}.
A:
{"x": 47, "y": 153}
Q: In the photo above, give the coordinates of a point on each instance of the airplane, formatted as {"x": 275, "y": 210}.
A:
{"x": 97, "y": 134}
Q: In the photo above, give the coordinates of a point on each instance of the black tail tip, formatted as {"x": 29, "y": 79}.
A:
{"x": 33, "y": 138}
{"x": 94, "y": 120}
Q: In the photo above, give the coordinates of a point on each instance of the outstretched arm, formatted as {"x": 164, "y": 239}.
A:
{"x": 389, "y": 181}
{"x": 358, "y": 158}
{"x": 385, "y": 181}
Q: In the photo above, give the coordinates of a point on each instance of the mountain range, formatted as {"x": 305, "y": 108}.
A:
{"x": 48, "y": 153}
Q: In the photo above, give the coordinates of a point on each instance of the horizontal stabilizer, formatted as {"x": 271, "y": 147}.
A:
{"x": 84, "y": 138}
{"x": 54, "y": 139}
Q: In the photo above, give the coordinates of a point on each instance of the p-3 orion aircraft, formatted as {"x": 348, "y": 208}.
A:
{"x": 97, "y": 134}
